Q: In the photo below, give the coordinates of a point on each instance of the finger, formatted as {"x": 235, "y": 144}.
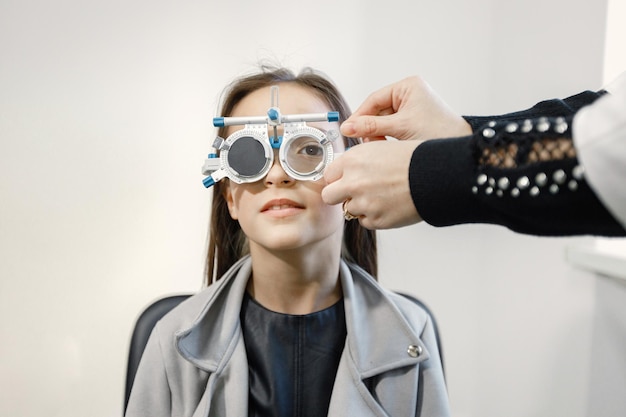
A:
{"x": 347, "y": 213}
{"x": 366, "y": 222}
{"x": 334, "y": 194}
{"x": 348, "y": 130}
{"x": 373, "y": 126}
{"x": 374, "y": 139}
{"x": 378, "y": 102}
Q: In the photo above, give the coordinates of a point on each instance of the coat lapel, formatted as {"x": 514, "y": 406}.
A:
{"x": 381, "y": 349}
{"x": 215, "y": 344}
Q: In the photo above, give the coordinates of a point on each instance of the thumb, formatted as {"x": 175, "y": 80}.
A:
{"x": 333, "y": 171}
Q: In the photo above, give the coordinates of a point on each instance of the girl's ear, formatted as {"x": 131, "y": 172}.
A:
{"x": 228, "y": 196}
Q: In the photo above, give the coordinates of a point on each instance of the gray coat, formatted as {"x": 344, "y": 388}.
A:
{"x": 195, "y": 362}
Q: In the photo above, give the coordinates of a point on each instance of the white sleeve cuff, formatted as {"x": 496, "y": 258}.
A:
{"x": 599, "y": 135}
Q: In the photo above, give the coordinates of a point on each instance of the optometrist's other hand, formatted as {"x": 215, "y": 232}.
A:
{"x": 407, "y": 109}
{"x": 374, "y": 178}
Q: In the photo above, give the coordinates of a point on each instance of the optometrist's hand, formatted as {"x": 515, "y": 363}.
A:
{"x": 407, "y": 109}
{"x": 374, "y": 179}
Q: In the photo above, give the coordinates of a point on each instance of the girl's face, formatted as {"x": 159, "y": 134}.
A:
{"x": 278, "y": 212}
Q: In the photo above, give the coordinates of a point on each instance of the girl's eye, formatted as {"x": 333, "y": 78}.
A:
{"x": 304, "y": 154}
{"x": 311, "y": 150}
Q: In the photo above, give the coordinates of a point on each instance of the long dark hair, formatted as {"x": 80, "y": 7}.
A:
{"x": 227, "y": 242}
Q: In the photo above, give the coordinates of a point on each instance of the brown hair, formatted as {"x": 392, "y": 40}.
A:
{"x": 227, "y": 242}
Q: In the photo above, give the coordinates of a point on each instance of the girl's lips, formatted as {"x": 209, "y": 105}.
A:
{"x": 281, "y": 207}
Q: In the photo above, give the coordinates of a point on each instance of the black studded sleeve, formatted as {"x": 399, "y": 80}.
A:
{"x": 518, "y": 170}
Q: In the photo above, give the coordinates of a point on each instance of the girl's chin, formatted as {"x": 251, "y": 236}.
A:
{"x": 285, "y": 241}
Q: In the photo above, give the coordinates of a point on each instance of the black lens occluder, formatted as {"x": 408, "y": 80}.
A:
{"x": 246, "y": 156}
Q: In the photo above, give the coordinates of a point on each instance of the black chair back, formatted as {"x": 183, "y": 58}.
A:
{"x": 143, "y": 327}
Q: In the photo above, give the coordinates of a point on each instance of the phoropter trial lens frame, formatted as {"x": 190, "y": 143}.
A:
{"x": 257, "y": 133}
{"x": 256, "y": 128}
{"x": 294, "y": 131}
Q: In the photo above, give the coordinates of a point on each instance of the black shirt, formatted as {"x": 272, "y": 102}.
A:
{"x": 293, "y": 359}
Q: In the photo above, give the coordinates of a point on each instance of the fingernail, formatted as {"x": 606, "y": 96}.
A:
{"x": 347, "y": 129}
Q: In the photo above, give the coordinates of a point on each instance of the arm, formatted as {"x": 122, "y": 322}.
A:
{"x": 529, "y": 180}
{"x": 443, "y": 173}
{"x": 547, "y": 108}
{"x": 557, "y": 199}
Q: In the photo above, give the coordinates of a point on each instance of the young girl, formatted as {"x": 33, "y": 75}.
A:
{"x": 292, "y": 322}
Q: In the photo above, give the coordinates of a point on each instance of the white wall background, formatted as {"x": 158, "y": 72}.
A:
{"x": 105, "y": 117}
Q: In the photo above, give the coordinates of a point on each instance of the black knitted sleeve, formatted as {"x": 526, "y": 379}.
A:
{"x": 516, "y": 171}
{"x": 547, "y": 108}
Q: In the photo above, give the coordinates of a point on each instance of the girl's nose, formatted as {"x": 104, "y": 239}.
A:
{"x": 277, "y": 175}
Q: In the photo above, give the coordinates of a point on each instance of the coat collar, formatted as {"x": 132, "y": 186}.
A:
{"x": 379, "y": 337}
{"x": 211, "y": 339}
